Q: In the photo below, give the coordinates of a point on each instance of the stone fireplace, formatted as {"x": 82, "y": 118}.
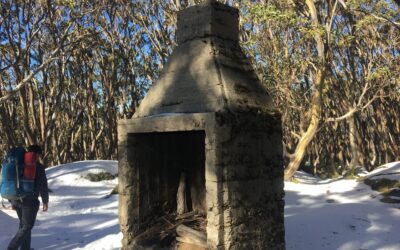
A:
{"x": 210, "y": 118}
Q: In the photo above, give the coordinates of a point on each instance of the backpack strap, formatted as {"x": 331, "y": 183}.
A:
{"x": 17, "y": 168}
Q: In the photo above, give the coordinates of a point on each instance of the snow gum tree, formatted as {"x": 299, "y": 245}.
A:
{"x": 70, "y": 69}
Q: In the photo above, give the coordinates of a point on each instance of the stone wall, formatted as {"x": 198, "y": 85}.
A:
{"x": 246, "y": 178}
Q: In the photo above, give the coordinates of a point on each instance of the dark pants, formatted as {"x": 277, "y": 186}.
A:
{"x": 27, "y": 211}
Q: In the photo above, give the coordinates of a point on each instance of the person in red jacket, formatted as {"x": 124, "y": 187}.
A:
{"x": 28, "y": 207}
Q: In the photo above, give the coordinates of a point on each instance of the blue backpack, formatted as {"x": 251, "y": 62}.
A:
{"x": 13, "y": 185}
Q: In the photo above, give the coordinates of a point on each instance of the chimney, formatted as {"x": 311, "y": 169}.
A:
{"x": 210, "y": 119}
{"x": 209, "y": 18}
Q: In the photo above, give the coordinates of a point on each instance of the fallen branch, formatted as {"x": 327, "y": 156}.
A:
{"x": 188, "y": 235}
{"x": 186, "y": 215}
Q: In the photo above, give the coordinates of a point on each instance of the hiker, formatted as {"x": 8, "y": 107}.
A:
{"x": 28, "y": 207}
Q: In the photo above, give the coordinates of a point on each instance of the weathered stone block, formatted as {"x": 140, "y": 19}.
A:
{"x": 209, "y": 18}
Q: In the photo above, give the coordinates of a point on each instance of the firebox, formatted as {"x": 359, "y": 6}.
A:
{"x": 204, "y": 148}
{"x": 161, "y": 159}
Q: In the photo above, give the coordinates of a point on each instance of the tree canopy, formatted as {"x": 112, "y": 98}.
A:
{"x": 70, "y": 69}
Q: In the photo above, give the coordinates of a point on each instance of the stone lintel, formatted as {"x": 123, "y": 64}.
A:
{"x": 164, "y": 123}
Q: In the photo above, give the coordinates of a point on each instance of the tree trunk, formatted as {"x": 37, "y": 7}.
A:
{"x": 315, "y": 112}
{"x": 353, "y": 144}
{"x": 307, "y": 137}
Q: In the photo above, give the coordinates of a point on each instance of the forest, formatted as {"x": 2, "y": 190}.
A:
{"x": 69, "y": 70}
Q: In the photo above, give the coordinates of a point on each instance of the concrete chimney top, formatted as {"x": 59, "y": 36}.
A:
{"x": 209, "y": 18}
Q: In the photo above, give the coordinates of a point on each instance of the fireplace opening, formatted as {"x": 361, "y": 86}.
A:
{"x": 171, "y": 183}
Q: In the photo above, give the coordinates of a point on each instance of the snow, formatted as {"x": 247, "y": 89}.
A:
{"x": 319, "y": 214}
{"x": 79, "y": 216}
{"x": 341, "y": 214}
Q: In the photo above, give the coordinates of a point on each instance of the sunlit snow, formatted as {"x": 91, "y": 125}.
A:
{"x": 319, "y": 214}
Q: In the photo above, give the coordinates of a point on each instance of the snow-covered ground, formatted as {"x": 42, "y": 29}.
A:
{"x": 319, "y": 214}
{"x": 79, "y": 216}
{"x": 341, "y": 214}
